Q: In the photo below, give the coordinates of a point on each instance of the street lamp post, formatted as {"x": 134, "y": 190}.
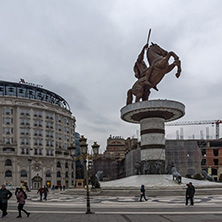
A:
{"x": 29, "y": 164}
{"x": 72, "y": 150}
{"x": 84, "y": 156}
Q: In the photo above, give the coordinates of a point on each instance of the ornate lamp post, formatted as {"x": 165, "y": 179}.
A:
{"x": 84, "y": 156}
{"x": 29, "y": 166}
{"x": 72, "y": 150}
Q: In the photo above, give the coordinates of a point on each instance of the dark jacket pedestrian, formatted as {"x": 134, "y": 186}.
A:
{"x": 190, "y": 191}
{"x": 45, "y": 191}
{"x": 21, "y": 202}
{"x": 143, "y": 193}
{"x": 5, "y": 195}
{"x": 40, "y": 192}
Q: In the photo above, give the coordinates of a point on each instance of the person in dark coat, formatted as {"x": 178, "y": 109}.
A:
{"x": 190, "y": 191}
{"x": 5, "y": 195}
{"x": 40, "y": 192}
{"x": 21, "y": 202}
{"x": 45, "y": 191}
{"x": 143, "y": 193}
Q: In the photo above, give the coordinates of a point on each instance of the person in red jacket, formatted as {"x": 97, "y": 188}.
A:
{"x": 21, "y": 202}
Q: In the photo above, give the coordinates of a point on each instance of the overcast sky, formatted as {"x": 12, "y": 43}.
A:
{"x": 85, "y": 52}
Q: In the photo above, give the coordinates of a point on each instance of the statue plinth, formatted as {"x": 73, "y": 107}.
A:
{"x": 152, "y": 115}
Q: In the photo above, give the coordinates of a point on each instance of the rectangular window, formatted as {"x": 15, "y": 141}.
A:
{"x": 203, "y": 162}
{"x": 216, "y": 162}
{"x": 22, "y": 112}
{"x": 35, "y": 113}
{"x": 22, "y": 131}
{"x": 22, "y": 121}
{"x": 214, "y": 171}
{"x": 7, "y": 121}
{"x": 22, "y": 141}
{"x": 36, "y": 152}
{"x": 35, "y": 122}
{"x": 215, "y": 152}
{"x": 7, "y": 111}
{"x": 7, "y": 140}
{"x": 27, "y": 112}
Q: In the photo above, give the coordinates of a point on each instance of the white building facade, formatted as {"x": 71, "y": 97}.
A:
{"x": 36, "y": 128}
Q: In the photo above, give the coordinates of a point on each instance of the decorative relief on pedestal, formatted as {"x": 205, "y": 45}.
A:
{"x": 153, "y": 154}
{"x": 152, "y": 123}
{"x": 147, "y": 139}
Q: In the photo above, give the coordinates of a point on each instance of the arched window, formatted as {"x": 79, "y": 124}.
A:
{"x": 8, "y": 173}
{"x": 58, "y": 174}
{"x": 8, "y": 162}
{"x": 58, "y": 164}
{"x": 23, "y": 173}
{"x": 67, "y": 166}
{"x": 67, "y": 174}
{"x": 48, "y": 173}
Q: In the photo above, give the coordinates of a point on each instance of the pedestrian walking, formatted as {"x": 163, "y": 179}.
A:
{"x": 45, "y": 191}
{"x": 190, "y": 191}
{"x": 40, "y": 192}
{"x": 143, "y": 193}
{"x": 193, "y": 192}
{"x": 5, "y": 195}
{"x": 21, "y": 196}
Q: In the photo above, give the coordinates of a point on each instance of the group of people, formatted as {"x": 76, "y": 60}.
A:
{"x": 43, "y": 191}
{"x": 5, "y": 195}
{"x": 190, "y": 191}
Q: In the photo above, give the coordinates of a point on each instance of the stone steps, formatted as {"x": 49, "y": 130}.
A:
{"x": 149, "y": 192}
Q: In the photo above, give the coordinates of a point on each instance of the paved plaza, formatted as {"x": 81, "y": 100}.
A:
{"x": 63, "y": 207}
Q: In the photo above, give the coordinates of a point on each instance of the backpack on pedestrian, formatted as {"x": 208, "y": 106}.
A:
{"x": 25, "y": 195}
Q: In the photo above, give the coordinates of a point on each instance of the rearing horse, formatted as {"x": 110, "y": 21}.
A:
{"x": 158, "y": 59}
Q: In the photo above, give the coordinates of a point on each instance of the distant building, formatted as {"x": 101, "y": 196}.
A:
{"x": 185, "y": 156}
{"x": 212, "y": 157}
{"x": 112, "y": 162}
{"x": 116, "y": 146}
{"x": 36, "y": 128}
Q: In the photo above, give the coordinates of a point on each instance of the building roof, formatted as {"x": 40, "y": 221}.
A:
{"x": 32, "y": 92}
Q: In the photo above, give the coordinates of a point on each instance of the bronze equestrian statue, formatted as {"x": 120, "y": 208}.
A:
{"x": 149, "y": 77}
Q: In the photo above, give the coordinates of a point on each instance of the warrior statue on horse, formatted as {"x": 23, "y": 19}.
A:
{"x": 149, "y": 77}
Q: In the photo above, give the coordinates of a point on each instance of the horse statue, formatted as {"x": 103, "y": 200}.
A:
{"x": 176, "y": 175}
{"x": 150, "y": 77}
{"x": 207, "y": 176}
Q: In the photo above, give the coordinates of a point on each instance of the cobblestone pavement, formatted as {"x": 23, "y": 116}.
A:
{"x": 61, "y": 207}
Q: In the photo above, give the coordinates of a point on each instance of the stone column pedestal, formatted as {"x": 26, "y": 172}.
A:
{"x": 152, "y": 115}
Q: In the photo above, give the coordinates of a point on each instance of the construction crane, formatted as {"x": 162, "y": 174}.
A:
{"x": 216, "y": 122}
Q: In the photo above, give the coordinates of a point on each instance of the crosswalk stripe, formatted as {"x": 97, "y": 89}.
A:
{"x": 136, "y": 213}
